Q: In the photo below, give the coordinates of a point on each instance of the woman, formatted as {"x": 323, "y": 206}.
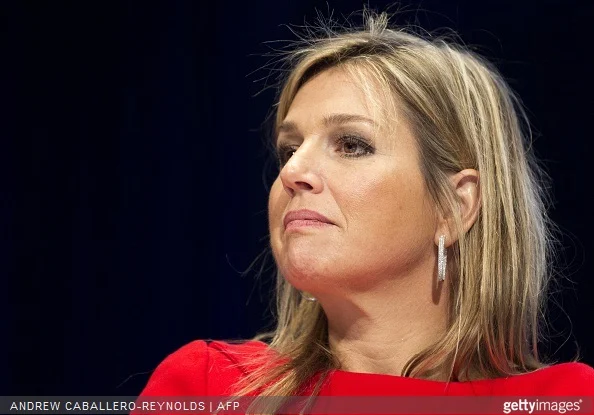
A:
{"x": 409, "y": 229}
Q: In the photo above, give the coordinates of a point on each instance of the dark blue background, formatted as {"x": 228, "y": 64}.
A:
{"x": 134, "y": 172}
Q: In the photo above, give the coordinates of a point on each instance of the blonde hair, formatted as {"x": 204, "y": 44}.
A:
{"x": 464, "y": 115}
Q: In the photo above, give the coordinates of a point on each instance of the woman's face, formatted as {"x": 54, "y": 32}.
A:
{"x": 365, "y": 181}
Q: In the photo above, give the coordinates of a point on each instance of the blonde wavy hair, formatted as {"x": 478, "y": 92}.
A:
{"x": 464, "y": 115}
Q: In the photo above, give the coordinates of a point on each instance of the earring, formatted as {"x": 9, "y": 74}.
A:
{"x": 441, "y": 259}
{"x": 307, "y": 296}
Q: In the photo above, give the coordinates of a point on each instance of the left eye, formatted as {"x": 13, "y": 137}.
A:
{"x": 353, "y": 146}
{"x": 349, "y": 145}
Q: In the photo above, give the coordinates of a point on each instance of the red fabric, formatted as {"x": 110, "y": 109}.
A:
{"x": 210, "y": 369}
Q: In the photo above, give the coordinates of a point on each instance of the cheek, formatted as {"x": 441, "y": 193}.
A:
{"x": 393, "y": 209}
{"x": 275, "y": 206}
{"x": 277, "y": 202}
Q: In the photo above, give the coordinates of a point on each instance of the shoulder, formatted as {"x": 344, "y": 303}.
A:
{"x": 561, "y": 379}
{"x": 573, "y": 376}
{"x": 203, "y": 368}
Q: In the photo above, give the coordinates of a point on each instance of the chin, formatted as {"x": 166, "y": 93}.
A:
{"x": 305, "y": 272}
{"x": 317, "y": 278}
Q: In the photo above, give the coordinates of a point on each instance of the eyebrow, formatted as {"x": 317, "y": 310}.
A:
{"x": 328, "y": 120}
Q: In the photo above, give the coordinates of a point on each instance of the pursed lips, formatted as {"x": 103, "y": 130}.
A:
{"x": 306, "y": 215}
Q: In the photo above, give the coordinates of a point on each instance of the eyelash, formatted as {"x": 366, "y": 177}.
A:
{"x": 284, "y": 149}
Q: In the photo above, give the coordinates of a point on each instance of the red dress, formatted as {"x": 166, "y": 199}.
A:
{"x": 210, "y": 369}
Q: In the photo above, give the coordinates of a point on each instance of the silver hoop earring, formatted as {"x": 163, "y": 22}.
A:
{"x": 441, "y": 259}
{"x": 307, "y": 296}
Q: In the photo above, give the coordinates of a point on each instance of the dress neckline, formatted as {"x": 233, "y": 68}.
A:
{"x": 339, "y": 374}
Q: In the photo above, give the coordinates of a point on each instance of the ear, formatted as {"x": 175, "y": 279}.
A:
{"x": 466, "y": 187}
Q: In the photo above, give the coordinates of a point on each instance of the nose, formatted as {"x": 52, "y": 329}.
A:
{"x": 301, "y": 172}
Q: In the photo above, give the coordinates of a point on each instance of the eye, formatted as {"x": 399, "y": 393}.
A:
{"x": 284, "y": 152}
{"x": 349, "y": 145}
{"x": 354, "y": 146}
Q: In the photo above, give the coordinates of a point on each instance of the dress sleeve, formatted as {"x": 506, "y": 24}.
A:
{"x": 564, "y": 379}
{"x": 578, "y": 379}
{"x": 182, "y": 373}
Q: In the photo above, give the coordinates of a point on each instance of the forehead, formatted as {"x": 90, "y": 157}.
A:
{"x": 333, "y": 89}
{"x": 343, "y": 90}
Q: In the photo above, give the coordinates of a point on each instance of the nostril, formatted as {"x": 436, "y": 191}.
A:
{"x": 304, "y": 185}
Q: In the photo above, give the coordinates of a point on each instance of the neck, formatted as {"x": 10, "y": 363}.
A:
{"x": 379, "y": 331}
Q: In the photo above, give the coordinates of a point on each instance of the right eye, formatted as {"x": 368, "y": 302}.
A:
{"x": 284, "y": 152}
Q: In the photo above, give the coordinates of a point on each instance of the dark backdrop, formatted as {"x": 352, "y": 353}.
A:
{"x": 132, "y": 189}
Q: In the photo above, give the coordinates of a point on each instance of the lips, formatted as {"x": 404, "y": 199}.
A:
{"x": 305, "y": 214}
